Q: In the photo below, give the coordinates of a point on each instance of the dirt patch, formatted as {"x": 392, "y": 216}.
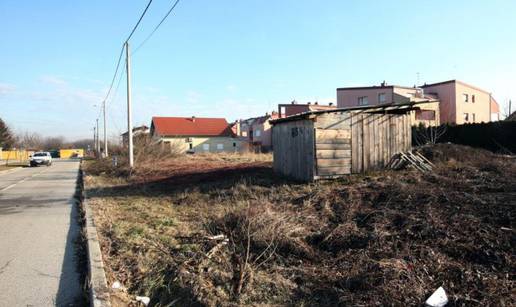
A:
{"x": 209, "y": 231}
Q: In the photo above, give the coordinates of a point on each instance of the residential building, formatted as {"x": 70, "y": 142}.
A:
{"x": 427, "y": 113}
{"x": 138, "y": 132}
{"x": 293, "y": 108}
{"x": 194, "y": 134}
{"x": 462, "y": 103}
{"x": 256, "y": 132}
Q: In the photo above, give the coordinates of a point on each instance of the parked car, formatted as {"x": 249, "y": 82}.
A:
{"x": 41, "y": 158}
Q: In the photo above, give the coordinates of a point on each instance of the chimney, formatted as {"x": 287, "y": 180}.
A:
{"x": 193, "y": 119}
{"x": 330, "y": 104}
{"x": 309, "y": 103}
{"x": 316, "y": 103}
{"x": 383, "y": 83}
{"x": 293, "y": 101}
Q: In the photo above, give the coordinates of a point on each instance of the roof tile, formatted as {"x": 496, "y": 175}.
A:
{"x": 191, "y": 126}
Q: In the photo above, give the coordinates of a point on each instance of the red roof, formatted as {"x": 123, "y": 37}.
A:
{"x": 191, "y": 126}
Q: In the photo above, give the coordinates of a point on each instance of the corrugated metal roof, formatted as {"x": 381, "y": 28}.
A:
{"x": 191, "y": 126}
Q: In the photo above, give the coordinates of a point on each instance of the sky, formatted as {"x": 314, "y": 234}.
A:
{"x": 237, "y": 59}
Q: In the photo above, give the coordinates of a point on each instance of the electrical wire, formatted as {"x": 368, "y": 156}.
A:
{"x": 139, "y": 20}
{"x": 122, "y": 51}
{"x": 115, "y": 95}
{"x": 135, "y": 50}
{"x": 157, "y": 27}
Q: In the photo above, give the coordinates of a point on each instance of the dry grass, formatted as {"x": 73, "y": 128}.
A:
{"x": 387, "y": 238}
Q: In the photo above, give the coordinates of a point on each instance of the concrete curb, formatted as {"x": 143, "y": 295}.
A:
{"x": 99, "y": 291}
{"x": 14, "y": 169}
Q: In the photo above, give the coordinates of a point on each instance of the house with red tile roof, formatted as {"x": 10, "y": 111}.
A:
{"x": 195, "y": 134}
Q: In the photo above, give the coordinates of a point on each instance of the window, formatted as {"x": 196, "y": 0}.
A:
{"x": 220, "y": 146}
{"x": 190, "y": 146}
{"x": 466, "y": 117}
{"x": 465, "y": 97}
{"x": 206, "y": 147}
{"x": 234, "y": 144}
{"x": 382, "y": 98}
{"x": 362, "y": 101}
{"x": 473, "y": 117}
{"x": 258, "y": 132}
{"x": 473, "y": 98}
{"x": 244, "y": 133}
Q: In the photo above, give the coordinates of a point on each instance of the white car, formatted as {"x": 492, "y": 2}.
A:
{"x": 41, "y": 158}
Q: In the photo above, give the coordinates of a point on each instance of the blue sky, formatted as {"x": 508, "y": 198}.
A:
{"x": 238, "y": 59}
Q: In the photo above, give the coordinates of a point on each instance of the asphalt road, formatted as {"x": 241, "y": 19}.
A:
{"x": 38, "y": 227}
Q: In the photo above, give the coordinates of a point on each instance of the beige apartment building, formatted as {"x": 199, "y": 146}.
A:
{"x": 462, "y": 103}
{"x": 426, "y": 114}
{"x": 453, "y": 101}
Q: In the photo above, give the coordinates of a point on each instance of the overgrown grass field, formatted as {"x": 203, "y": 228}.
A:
{"x": 223, "y": 230}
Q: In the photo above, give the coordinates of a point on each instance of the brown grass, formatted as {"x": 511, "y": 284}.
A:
{"x": 386, "y": 238}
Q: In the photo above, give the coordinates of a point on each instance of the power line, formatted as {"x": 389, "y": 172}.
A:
{"x": 122, "y": 51}
{"x": 115, "y": 95}
{"x": 156, "y": 28}
{"x": 139, "y": 20}
{"x": 114, "y": 76}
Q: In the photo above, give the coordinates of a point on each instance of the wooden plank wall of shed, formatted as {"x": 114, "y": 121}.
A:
{"x": 375, "y": 138}
{"x": 333, "y": 144}
{"x": 293, "y": 144}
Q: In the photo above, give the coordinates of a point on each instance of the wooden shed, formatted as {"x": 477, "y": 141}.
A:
{"x": 332, "y": 143}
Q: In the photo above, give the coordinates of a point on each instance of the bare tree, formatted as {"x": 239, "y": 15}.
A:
{"x": 429, "y": 135}
{"x": 53, "y": 143}
{"x": 30, "y": 140}
{"x": 82, "y": 144}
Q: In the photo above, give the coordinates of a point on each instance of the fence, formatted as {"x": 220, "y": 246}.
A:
{"x": 15, "y": 155}
{"x": 497, "y": 136}
{"x": 71, "y": 153}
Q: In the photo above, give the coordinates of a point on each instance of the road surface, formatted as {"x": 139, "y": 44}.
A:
{"x": 38, "y": 227}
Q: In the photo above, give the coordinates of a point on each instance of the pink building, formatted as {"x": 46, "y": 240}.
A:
{"x": 463, "y": 103}
{"x": 427, "y": 114}
{"x": 293, "y": 108}
{"x": 256, "y": 132}
{"x": 455, "y": 101}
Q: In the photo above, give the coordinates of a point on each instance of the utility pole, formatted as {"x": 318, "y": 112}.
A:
{"x": 94, "y": 139}
{"x": 105, "y": 130}
{"x": 129, "y": 115}
{"x": 97, "y": 144}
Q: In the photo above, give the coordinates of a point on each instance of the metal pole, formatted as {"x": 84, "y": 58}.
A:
{"x": 98, "y": 142}
{"x": 105, "y": 130}
{"x": 94, "y": 140}
{"x": 129, "y": 115}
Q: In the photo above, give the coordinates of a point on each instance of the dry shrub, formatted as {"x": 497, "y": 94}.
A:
{"x": 147, "y": 150}
{"x": 255, "y": 235}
